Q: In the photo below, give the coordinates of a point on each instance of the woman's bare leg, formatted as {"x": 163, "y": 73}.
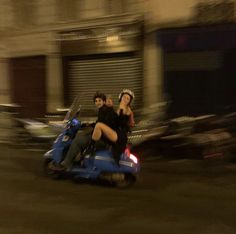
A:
{"x": 101, "y": 128}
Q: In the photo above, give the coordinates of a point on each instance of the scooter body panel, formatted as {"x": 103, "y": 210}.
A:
{"x": 101, "y": 162}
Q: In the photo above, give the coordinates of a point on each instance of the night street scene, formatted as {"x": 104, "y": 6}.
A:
{"x": 118, "y": 116}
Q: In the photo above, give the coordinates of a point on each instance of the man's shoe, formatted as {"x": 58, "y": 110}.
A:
{"x": 56, "y": 167}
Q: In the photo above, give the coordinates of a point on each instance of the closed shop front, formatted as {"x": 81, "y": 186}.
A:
{"x": 104, "y": 59}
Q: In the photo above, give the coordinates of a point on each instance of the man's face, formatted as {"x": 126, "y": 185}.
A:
{"x": 99, "y": 102}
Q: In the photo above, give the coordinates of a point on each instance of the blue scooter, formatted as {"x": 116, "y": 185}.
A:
{"x": 99, "y": 167}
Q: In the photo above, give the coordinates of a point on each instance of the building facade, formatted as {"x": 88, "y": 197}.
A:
{"x": 52, "y": 50}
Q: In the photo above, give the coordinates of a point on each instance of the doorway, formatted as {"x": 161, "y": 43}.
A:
{"x": 28, "y": 85}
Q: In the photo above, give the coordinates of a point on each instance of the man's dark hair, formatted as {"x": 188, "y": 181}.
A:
{"x": 99, "y": 95}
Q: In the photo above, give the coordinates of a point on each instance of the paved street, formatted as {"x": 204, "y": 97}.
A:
{"x": 169, "y": 197}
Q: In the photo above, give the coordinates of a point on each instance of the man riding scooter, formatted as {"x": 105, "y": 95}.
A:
{"x": 106, "y": 115}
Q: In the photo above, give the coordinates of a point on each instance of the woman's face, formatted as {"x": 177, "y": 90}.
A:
{"x": 125, "y": 99}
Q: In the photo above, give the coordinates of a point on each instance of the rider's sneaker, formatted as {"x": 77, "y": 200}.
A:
{"x": 56, "y": 167}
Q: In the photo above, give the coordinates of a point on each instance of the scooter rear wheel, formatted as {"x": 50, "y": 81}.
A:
{"x": 129, "y": 180}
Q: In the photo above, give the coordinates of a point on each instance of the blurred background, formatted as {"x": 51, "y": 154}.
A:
{"x": 178, "y": 56}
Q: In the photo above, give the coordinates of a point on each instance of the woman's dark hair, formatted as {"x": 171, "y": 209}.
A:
{"x": 99, "y": 95}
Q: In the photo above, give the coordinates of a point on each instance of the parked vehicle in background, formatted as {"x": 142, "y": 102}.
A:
{"x": 204, "y": 137}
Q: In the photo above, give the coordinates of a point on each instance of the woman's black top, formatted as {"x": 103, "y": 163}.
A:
{"x": 122, "y": 130}
{"x": 124, "y": 122}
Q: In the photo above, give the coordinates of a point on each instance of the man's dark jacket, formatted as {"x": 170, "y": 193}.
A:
{"x": 108, "y": 116}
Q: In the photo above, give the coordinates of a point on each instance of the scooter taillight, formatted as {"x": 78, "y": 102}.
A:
{"x": 131, "y": 156}
{"x": 134, "y": 158}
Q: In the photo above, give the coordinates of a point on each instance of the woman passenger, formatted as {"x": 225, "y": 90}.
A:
{"x": 118, "y": 137}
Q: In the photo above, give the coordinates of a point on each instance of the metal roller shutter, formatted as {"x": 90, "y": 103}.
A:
{"x": 108, "y": 75}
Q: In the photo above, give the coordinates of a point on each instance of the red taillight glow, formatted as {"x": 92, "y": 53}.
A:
{"x": 127, "y": 151}
{"x": 131, "y": 156}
